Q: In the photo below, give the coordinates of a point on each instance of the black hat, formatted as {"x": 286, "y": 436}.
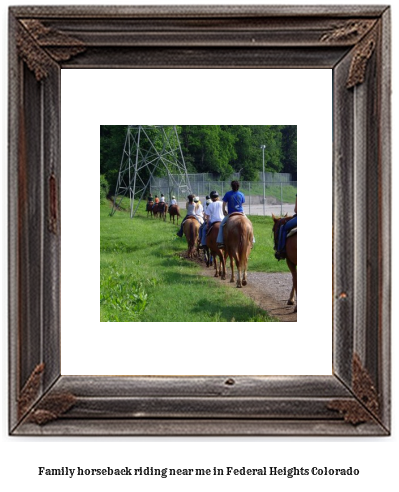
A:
{"x": 214, "y": 194}
{"x": 207, "y": 197}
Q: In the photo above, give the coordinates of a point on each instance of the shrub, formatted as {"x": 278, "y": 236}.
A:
{"x": 104, "y": 188}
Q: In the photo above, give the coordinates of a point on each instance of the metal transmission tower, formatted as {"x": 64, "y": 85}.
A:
{"x": 149, "y": 151}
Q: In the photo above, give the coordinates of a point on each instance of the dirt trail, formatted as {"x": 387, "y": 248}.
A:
{"x": 270, "y": 291}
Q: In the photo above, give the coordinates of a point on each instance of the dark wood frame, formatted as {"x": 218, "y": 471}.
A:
{"x": 353, "y": 41}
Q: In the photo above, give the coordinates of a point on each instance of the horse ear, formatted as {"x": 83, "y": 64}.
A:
{"x": 286, "y": 215}
{"x": 274, "y": 217}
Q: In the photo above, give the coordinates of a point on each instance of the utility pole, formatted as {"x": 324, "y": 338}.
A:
{"x": 264, "y": 194}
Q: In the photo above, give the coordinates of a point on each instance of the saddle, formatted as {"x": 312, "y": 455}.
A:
{"x": 236, "y": 213}
{"x": 211, "y": 227}
{"x": 292, "y": 232}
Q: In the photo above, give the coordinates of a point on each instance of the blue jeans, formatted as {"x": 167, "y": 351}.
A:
{"x": 219, "y": 239}
{"x": 282, "y": 236}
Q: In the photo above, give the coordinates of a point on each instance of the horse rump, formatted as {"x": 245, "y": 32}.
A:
{"x": 190, "y": 229}
{"x": 238, "y": 238}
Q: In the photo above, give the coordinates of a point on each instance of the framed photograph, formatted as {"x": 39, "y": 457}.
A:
{"x": 353, "y": 42}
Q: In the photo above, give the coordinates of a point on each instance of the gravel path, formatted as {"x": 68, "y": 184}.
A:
{"x": 270, "y": 291}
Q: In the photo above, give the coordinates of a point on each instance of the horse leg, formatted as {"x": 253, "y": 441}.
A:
{"x": 291, "y": 300}
{"x": 232, "y": 278}
{"x": 245, "y": 264}
{"x": 222, "y": 266}
{"x": 216, "y": 264}
{"x": 238, "y": 265}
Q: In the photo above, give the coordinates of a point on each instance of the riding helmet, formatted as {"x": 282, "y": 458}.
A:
{"x": 214, "y": 194}
{"x": 207, "y": 197}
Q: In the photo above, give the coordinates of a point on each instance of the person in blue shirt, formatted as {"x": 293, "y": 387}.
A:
{"x": 234, "y": 201}
{"x": 280, "y": 253}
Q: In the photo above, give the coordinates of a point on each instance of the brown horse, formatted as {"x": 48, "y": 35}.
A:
{"x": 215, "y": 251}
{"x": 149, "y": 208}
{"x": 190, "y": 229}
{"x": 155, "y": 210}
{"x": 290, "y": 248}
{"x": 162, "y": 210}
{"x": 238, "y": 236}
{"x": 174, "y": 211}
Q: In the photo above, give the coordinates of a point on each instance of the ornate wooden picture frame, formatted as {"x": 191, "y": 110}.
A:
{"x": 352, "y": 41}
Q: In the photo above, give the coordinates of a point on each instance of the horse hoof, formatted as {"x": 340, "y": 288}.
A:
{"x": 244, "y": 282}
{"x": 290, "y": 303}
{"x": 239, "y": 286}
{"x": 295, "y": 310}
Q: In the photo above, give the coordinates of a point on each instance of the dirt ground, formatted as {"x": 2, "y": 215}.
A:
{"x": 270, "y": 291}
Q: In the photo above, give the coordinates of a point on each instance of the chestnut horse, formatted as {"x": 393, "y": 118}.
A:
{"x": 162, "y": 209}
{"x": 190, "y": 229}
{"x": 149, "y": 208}
{"x": 215, "y": 251}
{"x": 155, "y": 210}
{"x": 290, "y": 248}
{"x": 174, "y": 211}
{"x": 238, "y": 236}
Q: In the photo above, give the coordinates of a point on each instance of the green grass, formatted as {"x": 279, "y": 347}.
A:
{"x": 143, "y": 277}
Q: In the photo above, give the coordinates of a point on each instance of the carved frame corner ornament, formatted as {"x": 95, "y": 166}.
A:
{"x": 354, "y": 43}
{"x": 362, "y": 55}
{"x": 39, "y": 46}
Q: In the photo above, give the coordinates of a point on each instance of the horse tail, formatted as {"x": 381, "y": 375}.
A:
{"x": 244, "y": 244}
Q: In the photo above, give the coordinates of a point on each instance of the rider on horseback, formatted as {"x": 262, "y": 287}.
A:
{"x": 234, "y": 200}
{"x": 190, "y": 207}
{"x": 214, "y": 213}
{"x": 280, "y": 253}
{"x": 199, "y": 209}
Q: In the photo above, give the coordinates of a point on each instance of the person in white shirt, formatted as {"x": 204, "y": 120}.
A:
{"x": 199, "y": 210}
{"x": 173, "y": 201}
{"x": 162, "y": 199}
{"x": 190, "y": 207}
{"x": 214, "y": 213}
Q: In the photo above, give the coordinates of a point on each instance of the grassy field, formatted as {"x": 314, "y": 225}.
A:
{"x": 143, "y": 277}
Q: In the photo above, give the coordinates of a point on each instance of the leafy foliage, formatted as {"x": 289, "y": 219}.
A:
{"x": 124, "y": 299}
{"x": 218, "y": 149}
{"x": 104, "y": 187}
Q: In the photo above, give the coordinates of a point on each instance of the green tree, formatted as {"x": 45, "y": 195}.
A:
{"x": 289, "y": 147}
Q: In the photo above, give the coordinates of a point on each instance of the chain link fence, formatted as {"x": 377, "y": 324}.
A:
{"x": 276, "y": 195}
